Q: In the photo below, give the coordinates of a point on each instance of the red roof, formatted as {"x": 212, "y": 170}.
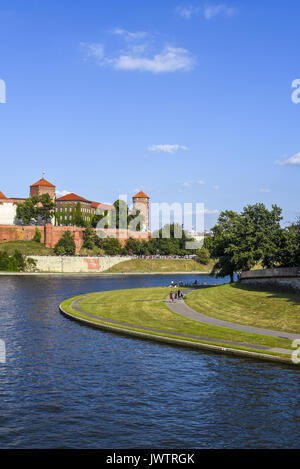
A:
{"x": 2, "y": 196}
{"x": 103, "y": 206}
{"x": 72, "y": 196}
{"x": 42, "y": 182}
{"x": 141, "y": 195}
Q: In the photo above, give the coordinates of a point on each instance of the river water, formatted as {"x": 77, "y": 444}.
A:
{"x": 65, "y": 385}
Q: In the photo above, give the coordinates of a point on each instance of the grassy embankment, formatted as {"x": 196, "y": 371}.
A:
{"x": 241, "y": 304}
{"x": 160, "y": 265}
{"x": 27, "y": 248}
{"x": 145, "y": 307}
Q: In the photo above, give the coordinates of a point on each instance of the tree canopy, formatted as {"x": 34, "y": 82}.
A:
{"x": 35, "y": 208}
{"x": 242, "y": 240}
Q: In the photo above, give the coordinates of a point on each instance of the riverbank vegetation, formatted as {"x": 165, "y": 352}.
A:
{"x": 15, "y": 262}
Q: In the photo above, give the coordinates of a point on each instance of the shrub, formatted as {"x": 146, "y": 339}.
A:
{"x": 67, "y": 243}
{"x": 30, "y": 264}
{"x": 60, "y": 251}
{"x": 37, "y": 237}
{"x": 14, "y": 263}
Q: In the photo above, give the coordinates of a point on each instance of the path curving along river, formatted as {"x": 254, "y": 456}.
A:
{"x": 179, "y": 307}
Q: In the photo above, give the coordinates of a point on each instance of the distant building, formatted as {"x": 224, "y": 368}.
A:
{"x": 199, "y": 236}
{"x": 141, "y": 203}
{"x": 66, "y": 207}
{"x": 42, "y": 187}
{"x": 8, "y": 210}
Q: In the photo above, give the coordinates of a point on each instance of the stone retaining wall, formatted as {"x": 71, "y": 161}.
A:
{"x": 283, "y": 279}
{"x": 76, "y": 264}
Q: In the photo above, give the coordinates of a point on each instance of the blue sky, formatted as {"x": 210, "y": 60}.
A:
{"x": 188, "y": 101}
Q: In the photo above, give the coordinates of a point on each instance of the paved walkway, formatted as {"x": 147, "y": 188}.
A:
{"x": 181, "y": 308}
{"x": 76, "y": 307}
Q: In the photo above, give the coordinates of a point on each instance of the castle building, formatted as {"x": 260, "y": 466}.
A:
{"x": 141, "y": 203}
{"x": 67, "y": 206}
{"x": 42, "y": 187}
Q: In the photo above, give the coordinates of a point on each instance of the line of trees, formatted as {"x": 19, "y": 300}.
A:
{"x": 159, "y": 244}
{"x": 173, "y": 245}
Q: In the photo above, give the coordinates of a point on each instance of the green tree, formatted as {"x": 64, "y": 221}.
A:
{"x": 20, "y": 259}
{"x": 223, "y": 238}
{"x": 132, "y": 246}
{"x": 89, "y": 238}
{"x": 112, "y": 246}
{"x": 67, "y": 243}
{"x": 36, "y": 207}
{"x": 203, "y": 256}
{"x": 242, "y": 240}
{"x": 260, "y": 234}
{"x": 208, "y": 243}
{"x": 170, "y": 240}
{"x": 14, "y": 263}
{"x": 27, "y": 211}
{"x": 288, "y": 253}
{"x": 45, "y": 208}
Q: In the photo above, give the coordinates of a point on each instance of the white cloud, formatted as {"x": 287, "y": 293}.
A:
{"x": 167, "y": 148}
{"x": 170, "y": 59}
{"x": 212, "y": 11}
{"x": 129, "y": 36}
{"x": 292, "y": 161}
{"x": 62, "y": 193}
{"x": 140, "y": 54}
{"x": 188, "y": 11}
{"x": 94, "y": 49}
{"x": 209, "y": 11}
{"x": 200, "y": 182}
{"x": 264, "y": 190}
{"x": 216, "y": 188}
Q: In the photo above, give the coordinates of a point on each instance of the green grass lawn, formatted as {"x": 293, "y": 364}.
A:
{"x": 244, "y": 305}
{"x": 160, "y": 265}
{"x": 27, "y": 248}
{"x": 145, "y": 307}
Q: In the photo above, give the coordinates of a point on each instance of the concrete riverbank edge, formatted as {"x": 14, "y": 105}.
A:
{"x": 103, "y": 274}
{"x": 178, "y": 342}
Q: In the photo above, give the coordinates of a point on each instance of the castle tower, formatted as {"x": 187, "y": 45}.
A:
{"x": 42, "y": 187}
{"x": 141, "y": 203}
